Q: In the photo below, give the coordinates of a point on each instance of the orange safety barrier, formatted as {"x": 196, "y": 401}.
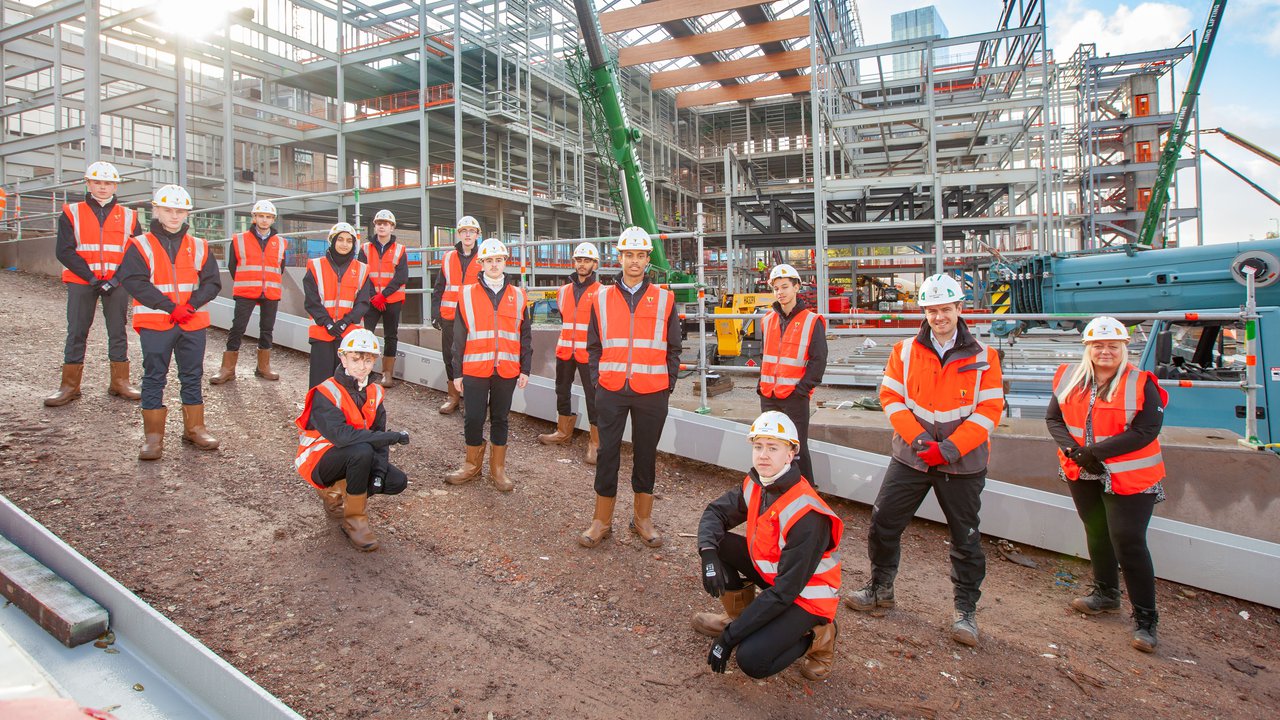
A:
{"x": 403, "y": 101}
{"x": 384, "y": 41}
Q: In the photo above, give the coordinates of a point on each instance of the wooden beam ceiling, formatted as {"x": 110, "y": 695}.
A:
{"x": 788, "y": 29}
{"x": 783, "y": 86}
{"x": 661, "y": 11}
{"x": 711, "y": 72}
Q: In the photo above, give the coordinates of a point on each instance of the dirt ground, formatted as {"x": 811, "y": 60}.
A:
{"x": 481, "y": 605}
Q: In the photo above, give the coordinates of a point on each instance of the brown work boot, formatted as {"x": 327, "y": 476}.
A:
{"x": 450, "y": 404}
{"x": 153, "y": 433}
{"x": 563, "y": 434}
{"x": 356, "y": 524}
{"x": 264, "y": 370}
{"x": 593, "y": 445}
{"x": 70, "y": 388}
{"x": 193, "y": 429}
{"x": 712, "y": 624}
{"x": 816, "y": 664}
{"x": 470, "y": 469}
{"x": 498, "y": 469}
{"x": 120, "y": 386}
{"x": 227, "y": 372}
{"x": 388, "y": 370}
{"x": 642, "y": 523}
{"x": 601, "y": 522}
{"x": 332, "y": 498}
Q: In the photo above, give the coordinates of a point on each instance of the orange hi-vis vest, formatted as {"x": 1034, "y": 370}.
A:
{"x": 102, "y": 246}
{"x": 177, "y": 280}
{"x": 1133, "y": 472}
{"x": 767, "y": 535}
{"x": 311, "y": 444}
{"x": 634, "y": 344}
{"x": 786, "y": 354}
{"x": 338, "y": 296}
{"x": 455, "y": 280}
{"x": 258, "y": 269}
{"x": 382, "y": 268}
{"x": 493, "y": 335}
{"x": 575, "y": 317}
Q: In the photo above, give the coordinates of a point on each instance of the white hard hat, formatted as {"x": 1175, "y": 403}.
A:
{"x": 172, "y": 196}
{"x": 385, "y": 215}
{"x": 342, "y": 228}
{"x": 939, "y": 290}
{"x": 466, "y": 221}
{"x": 783, "y": 271}
{"x": 360, "y": 340}
{"x": 101, "y": 170}
{"x": 586, "y": 250}
{"x": 492, "y": 247}
{"x": 774, "y": 424}
{"x": 1104, "y": 328}
{"x": 264, "y": 207}
{"x": 635, "y": 238}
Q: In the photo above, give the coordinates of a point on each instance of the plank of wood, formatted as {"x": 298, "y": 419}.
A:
{"x": 758, "y": 34}
{"x": 711, "y": 96}
{"x": 656, "y": 13}
{"x": 711, "y": 72}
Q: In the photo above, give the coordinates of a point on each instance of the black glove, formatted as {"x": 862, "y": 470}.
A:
{"x": 340, "y": 327}
{"x": 331, "y": 327}
{"x": 712, "y": 573}
{"x": 1084, "y": 457}
{"x": 96, "y": 284}
{"x": 404, "y": 438}
{"x": 106, "y": 287}
{"x": 375, "y": 485}
{"x": 435, "y": 323}
{"x": 718, "y": 658}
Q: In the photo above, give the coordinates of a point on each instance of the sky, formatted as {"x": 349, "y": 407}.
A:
{"x": 1240, "y": 92}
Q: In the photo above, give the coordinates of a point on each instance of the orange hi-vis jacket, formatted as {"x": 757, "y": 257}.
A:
{"x": 767, "y": 536}
{"x": 382, "y": 267}
{"x": 493, "y": 335}
{"x": 575, "y": 317}
{"x": 1131, "y": 473}
{"x": 786, "y": 354}
{"x": 102, "y": 246}
{"x": 455, "y": 280}
{"x": 633, "y": 345}
{"x": 958, "y": 404}
{"x": 338, "y": 296}
{"x": 311, "y": 444}
{"x": 177, "y": 280}
{"x": 258, "y": 269}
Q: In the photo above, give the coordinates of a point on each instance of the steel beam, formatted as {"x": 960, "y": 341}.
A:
{"x": 46, "y": 18}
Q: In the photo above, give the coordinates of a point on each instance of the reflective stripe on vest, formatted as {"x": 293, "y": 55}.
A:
{"x": 785, "y": 354}
{"x": 101, "y": 245}
{"x": 311, "y": 444}
{"x": 338, "y": 296}
{"x": 767, "y": 538}
{"x": 493, "y": 334}
{"x": 963, "y": 412}
{"x": 1130, "y": 473}
{"x": 575, "y": 316}
{"x": 455, "y": 280}
{"x": 256, "y": 277}
{"x": 382, "y": 268}
{"x": 633, "y": 344}
{"x": 177, "y": 280}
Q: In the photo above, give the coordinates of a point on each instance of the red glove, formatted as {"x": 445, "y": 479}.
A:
{"x": 932, "y": 454}
{"x": 182, "y": 313}
{"x": 379, "y": 302}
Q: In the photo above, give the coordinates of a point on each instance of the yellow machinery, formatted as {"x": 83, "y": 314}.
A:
{"x": 737, "y": 339}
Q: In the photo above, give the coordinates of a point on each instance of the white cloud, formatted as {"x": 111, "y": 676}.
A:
{"x": 1147, "y": 26}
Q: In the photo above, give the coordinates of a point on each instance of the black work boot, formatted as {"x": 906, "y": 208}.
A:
{"x": 875, "y": 598}
{"x": 965, "y": 629}
{"x": 1101, "y": 598}
{"x": 1144, "y": 634}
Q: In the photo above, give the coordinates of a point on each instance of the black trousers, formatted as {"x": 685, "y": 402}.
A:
{"x": 446, "y": 347}
{"x": 159, "y": 347}
{"x": 481, "y": 396}
{"x": 390, "y": 326}
{"x": 786, "y": 638}
{"x": 648, "y": 413}
{"x": 324, "y": 361}
{"x": 960, "y": 496}
{"x": 240, "y": 322}
{"x": 82, "y": 305}
{"x": 796, "y": 407}
{"x": 1115, "y": 527}
{"x": 565, "y": 372}
{"x": 355, "y": 463}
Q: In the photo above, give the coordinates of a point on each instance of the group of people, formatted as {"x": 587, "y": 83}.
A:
{"x": 779, "y": 582}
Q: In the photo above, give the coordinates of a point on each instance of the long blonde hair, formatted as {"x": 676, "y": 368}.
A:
{"x": 1082, "y": 378}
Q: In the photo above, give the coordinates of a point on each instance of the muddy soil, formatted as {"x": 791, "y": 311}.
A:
{"x": 481, "y": 605}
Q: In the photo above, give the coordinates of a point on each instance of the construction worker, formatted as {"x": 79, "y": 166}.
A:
{"x": 576, "y": 298}
{"x": 171, "y": 276}
{"x": 336, "y": 291}
{"x": 492, "y": 355}
{"x": 1105, "y": 415}
{"x": 633, "y": 347}
{"x": 389, "y": 271}
{"x": 789, "y": 553}
{"x": 795, "y": 356}
{"x": 942, "y": 391}
{"x": 343, "y": 439}
{"x": 256, "y": 267}
{"x": 92, "y": 236}
{"x": 456, "y": 272}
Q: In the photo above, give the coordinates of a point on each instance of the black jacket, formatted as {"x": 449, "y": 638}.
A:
{"x": 135, "y": 274}
{"x": 674, "y": 342}
{"x": 1144, "y": 428}
{"x": 401, "y": 275}
{"x": 65, "y": 248}
{"x": 233, "y": 261}
{"x": 817, "y": 365}
{"x": 314, "y": 304}
{"x": 437, "y": 292}
{"x": 332, "y": 422}
{"x": 526, "y": 331}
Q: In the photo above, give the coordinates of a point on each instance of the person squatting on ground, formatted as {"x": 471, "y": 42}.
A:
{"x": 492, "y": 355}
{"x": 1105, "y": 415}
{"x": 172, "y": 276}
{"x": 795, "y": 356}
{"x": 458, "y": 270}
{"x": 388, "y": 263}
{"x": 92, "y": 237}
{"x": 789, "y": 553}
{"x": 336, "y": 292}
{"x": 633, "y": 348}
{"x": 343, "y": 440}
{"x": 942, "y": 391}
{"x": 575, "y": 300}
{"x": 256, "y": 267}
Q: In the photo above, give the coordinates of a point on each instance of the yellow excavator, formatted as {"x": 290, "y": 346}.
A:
{"x": 739, "y": 341}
